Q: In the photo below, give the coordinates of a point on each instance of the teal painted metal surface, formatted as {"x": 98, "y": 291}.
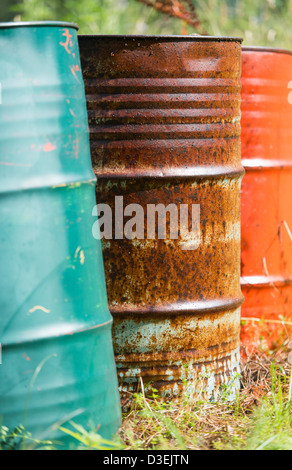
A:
{"x": 53, "y": 302}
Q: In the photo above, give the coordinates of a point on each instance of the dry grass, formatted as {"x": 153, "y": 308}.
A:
{"x": 259, "y": 419}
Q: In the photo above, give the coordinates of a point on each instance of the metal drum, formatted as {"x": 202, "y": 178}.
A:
{"x": 266, "y": 196}
{"x": 164, "y": 117}
{"x": 55, "y": 327}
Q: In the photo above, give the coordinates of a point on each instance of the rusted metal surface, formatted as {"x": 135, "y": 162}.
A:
{"x": 164, "y": 116}
{"x": 266, "y": 195}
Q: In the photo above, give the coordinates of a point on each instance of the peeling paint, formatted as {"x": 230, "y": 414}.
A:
{"x": 82, "y": 257}
{"x": 49, "y": 147}
{"x": 39, "y": 307}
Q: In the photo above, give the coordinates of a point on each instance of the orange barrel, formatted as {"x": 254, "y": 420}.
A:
{"x": 164, "y": 117}
{"x": 266, "y": 196}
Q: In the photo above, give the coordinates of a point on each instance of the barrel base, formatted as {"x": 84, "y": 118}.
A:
{"x": 205, "y": 364}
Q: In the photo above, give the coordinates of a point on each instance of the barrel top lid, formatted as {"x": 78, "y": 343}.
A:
{"x": 192, "y": 37}
{"x": 265, "y": 49}
{"x": 33, "y": 24}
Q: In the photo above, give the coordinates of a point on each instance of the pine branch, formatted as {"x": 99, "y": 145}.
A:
{"x": 182, "y": 9}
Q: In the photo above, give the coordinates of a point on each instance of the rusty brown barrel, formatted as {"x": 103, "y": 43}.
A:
{"x": 164, "y": 115}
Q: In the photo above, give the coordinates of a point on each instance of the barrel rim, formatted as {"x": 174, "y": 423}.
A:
{"x": 26, "y": 24}
{"x": 195, "y": 38}
{"x": 266, "y": 49}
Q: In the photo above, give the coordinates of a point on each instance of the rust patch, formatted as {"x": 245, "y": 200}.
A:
{"x": 68, "y": 42}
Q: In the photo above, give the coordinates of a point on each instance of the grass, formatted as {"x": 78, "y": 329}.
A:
{"x": 19, "y": 439}
{"x": 259, "y": 419}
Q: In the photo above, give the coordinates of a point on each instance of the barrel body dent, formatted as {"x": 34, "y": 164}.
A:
{"x": 266, "y": 196}
{"x": 164, "y": 117}
{"x": 53, "y": 302}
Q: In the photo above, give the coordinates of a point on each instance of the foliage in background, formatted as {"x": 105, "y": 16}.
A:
{"x": 100, "y": 16}
{"x": 183, "y": 9}
{"x": 265, "y": 22}
{"x": 6, "y": 6}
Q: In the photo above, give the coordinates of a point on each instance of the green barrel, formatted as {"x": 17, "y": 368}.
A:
{"x": 55, "y": 326}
